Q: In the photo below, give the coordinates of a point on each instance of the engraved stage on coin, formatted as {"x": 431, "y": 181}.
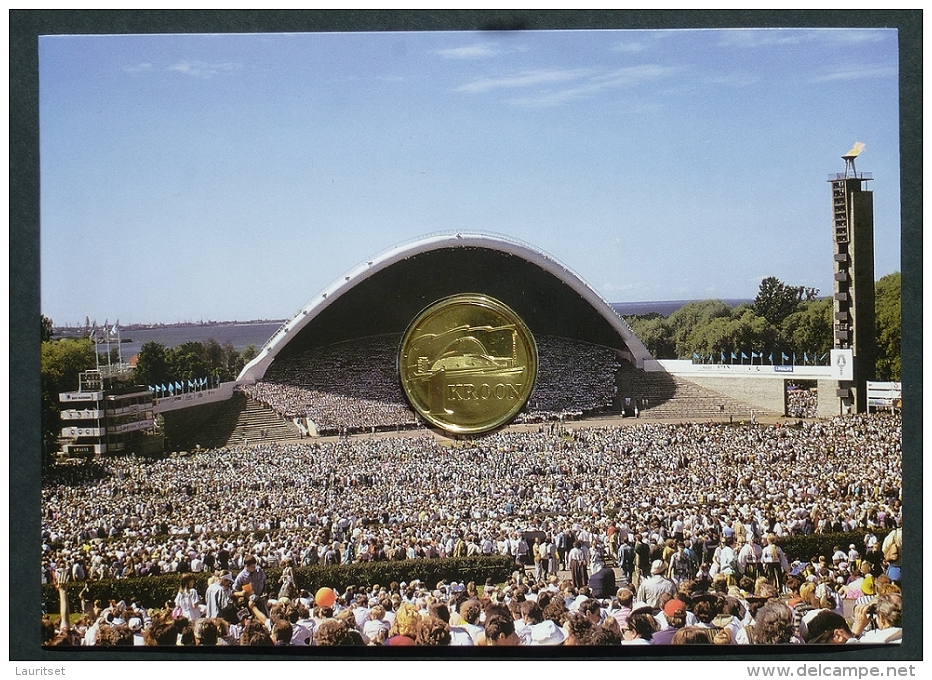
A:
{"x": 468, "y": 363}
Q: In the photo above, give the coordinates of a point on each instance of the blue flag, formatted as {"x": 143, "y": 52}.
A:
{"x": 785, "y": 358}
{"x": 805, "y": 357}
{"x": 770, "y": 358}
{"x": 733, "y": 356}
{"x": 723, "y": 357}
{"x": 744, "y": 356}
{"x": 695, "y": 357}
{"x": 794, "y": 358}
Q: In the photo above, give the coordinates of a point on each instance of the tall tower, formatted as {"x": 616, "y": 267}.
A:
{"x": 853, "y": 239}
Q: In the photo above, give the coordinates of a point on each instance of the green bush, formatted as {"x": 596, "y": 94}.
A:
{"x": 155, "y": 591}
{"x": 805, "y": 547}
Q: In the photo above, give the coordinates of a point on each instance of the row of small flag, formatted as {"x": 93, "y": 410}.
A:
{"x": 173, "y": 388}
{"x": 710, "y": 359}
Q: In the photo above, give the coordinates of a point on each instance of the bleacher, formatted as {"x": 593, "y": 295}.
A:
{"x": 669, "y": 396}
{"x": 234, "y": 421}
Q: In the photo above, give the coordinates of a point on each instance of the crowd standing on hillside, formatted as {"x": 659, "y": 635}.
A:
{"x": 686, "y": 506}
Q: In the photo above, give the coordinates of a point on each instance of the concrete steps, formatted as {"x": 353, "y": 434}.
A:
{"x": 240, "y": 420}
{"x": 257, "y": 422}
{"x": 662, "y": 395}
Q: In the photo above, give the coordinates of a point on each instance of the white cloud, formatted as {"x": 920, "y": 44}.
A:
{"x": 628, "y": 47}
{"x": 856, "y": 72}
{"x": 754, "y": 37}
{"x": 201, "y": 69}
{"x": 145, "y": 67}
{"x": 632, "y": 75}
{"x": 615, "y": 288}
{"x": 770, "y": 37}
{"x": 593, "y": 84}
{"x": 732, "y": 80}
{"x": 523, "y": 79}
{"x": 858, "y": 37}
{"x": 477, "y": 51}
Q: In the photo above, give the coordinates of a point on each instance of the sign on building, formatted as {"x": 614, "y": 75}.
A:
{"x": 842, "y": 364}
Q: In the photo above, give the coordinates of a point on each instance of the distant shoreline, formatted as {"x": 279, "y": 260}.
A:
{"x": 178, "y": 324}
{"x": 662, "y": 307}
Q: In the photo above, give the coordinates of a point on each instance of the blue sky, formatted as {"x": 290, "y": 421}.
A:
{"x": 188, "y": 177}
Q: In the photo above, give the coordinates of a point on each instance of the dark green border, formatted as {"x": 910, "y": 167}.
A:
{"x": 26, "y": 26}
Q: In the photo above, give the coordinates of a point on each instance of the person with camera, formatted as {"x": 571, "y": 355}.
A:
{"x": 880, "y": 621}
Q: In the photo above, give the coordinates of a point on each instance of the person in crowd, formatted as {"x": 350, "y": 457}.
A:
{"x": 250, "y": 582}
{"x": 887, "y": 624}
{"x": 892, "y": 548}
{"x": 828, "y": 628}
{"x": 640, "y": 628}
{"x": 187, "y": 600}
{"x": 404, "y": 630}
{"x": 773, "y": 625}
{"x": 219, "y": 595}
{"x": 578, "y": 565}
{"x": 500, "y": 632}
{"x": 602, "y": 583}
{"x": 652, "y": 588}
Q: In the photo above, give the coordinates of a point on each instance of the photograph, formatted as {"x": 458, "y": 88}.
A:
{"x": 587, "y": 337}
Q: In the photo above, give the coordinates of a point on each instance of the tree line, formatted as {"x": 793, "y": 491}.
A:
{"x": 783, "y": 321}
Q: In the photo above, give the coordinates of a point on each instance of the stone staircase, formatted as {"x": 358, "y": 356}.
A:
{"x": 257, "y": 422}
{"x": 670, "y": 396}
{"x": 239, "y": 420}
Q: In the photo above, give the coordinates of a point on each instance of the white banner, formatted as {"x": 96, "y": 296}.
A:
{"x": 842, "y": 364}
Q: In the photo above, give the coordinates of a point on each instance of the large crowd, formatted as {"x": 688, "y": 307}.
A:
{"x": 354, "y": 386}
{"x": 802, "y": 402}
{"x": 630, "y": 493}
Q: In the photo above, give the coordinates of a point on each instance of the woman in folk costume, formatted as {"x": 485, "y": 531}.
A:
{"x": 579, "y": 565}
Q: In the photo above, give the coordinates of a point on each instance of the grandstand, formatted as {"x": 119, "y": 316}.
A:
{"x": 333, "y": 368}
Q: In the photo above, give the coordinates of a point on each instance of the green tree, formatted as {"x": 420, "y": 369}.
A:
{"x": 61, "y": 362}
{"x": 692, "y": 316}
{"x": 712, "y": 338}
{"x": 249, "y": 353}
{"x": 654, "y": 331}
{"x": 888, "y": 310}
{"x": 809, "y": 329}
{"x": 214, "y": 356}
{"x": 749, "y": 332}
{"x": 46, "y": 329}
{"x": 775, "y": 300}
{"x": 152, "y": 366}
{"x": 188, "y": 361}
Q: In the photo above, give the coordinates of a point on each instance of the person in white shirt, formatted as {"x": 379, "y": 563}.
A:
{"x": 888, "y": 610}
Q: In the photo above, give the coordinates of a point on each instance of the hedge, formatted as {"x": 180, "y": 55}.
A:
{"x": 155, "y": 591}
{"x": 804, "y": 547}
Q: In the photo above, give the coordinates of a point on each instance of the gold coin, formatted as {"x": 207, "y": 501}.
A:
{"x": 468, "y": 363}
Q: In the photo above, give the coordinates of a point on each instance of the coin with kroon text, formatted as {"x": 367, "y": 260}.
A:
{"x": 467, "y": 363}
